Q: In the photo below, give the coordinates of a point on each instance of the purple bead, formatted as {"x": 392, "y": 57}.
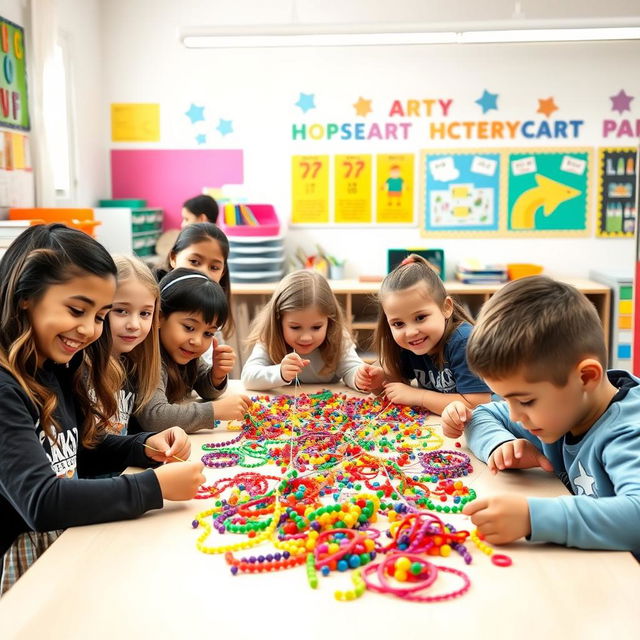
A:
{"x": 234, "y": 570}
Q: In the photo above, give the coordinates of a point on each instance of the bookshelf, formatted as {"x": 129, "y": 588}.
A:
{"x": 360, "y": 307}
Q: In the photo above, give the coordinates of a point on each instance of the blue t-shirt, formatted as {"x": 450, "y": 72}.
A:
{"x": 602, "y": 470}
{"x": 455, "y": 375}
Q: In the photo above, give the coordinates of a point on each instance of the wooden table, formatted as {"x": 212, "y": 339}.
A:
{"x": 146, "y": 579}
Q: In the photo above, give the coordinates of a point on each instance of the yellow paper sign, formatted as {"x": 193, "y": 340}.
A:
{"x": 394, "y": 188}
{"x": 309, "y": 189}
{"x": 132, "y": 122}
{"x": 17, "y": 150}
{"x": 353, "y": 189}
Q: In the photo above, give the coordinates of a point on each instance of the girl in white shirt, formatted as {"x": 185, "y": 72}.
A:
{"x": 301, "y": 333}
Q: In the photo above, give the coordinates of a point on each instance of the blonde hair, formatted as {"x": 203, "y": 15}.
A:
{"x": 413, "y": 270}
{"x": 297, "y": 291}
{"x": 142, "y": 363}
{"x": 538, "y": 324}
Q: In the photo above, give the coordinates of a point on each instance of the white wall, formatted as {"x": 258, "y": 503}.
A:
{"x": 143, "y": 60}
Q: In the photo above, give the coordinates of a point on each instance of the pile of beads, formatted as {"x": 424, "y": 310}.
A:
{"x": 412, "y": 570}
{"x": 499, "y": 559}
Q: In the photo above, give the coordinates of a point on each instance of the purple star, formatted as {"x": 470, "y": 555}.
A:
{"x": 621, "y": 102}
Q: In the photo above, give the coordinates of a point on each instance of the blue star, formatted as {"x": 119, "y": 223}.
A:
{"x": 195, "y": 114}
{"x": 305, "y": 102}
{"x": 201, "y": 138}
{"x": 225, "y": 126}
{"x": 488, "y": 101}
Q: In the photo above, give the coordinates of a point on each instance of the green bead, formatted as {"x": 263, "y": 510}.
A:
{"x": 416, "y": 568}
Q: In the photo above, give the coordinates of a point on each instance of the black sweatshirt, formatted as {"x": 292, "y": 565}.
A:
{"x": 45, "y": 487}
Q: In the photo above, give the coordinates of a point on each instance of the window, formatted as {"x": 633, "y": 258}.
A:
{"x": 57, "y": 122}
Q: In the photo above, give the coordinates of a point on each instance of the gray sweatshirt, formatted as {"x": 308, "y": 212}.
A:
{"x": 259, "y": 372}
{"x": 191, "y": 415}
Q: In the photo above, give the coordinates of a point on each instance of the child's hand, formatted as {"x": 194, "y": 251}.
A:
{"x": 455, "y": 417}
{"x": 500, "y": 519}
{"x": 369, "y": 377}
{"x": 292, "y": 364}
{"x": 224, "y": 358}
{"x": 400, "y": 393}
{"x": 231, "y": 407}
{"x": 180, "y": 481}
{"x": 517, "y": 454}
{"x": 171, "y": 445}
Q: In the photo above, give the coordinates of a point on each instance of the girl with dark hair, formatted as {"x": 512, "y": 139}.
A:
{"x": 205, "y": 248}
{"x": 192, "y": 308}
{"x": 56, "y": 288}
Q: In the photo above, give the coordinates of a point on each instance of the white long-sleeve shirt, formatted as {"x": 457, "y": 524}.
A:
{"x": 260, "y": 373}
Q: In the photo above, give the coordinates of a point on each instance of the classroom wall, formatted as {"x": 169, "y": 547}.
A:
{"x": 143, "y": 61}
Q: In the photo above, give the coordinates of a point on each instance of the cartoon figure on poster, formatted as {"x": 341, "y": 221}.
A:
{"x": 394, "y": 185}
{"x": 462, "y": 191}
{"x": 547, "y": 191}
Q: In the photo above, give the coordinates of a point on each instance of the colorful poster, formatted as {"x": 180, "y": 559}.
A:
{"x": 617, "y": 175}
{"x": 310, "y": 189}
{"x": 135, "y": 122}
{"x": 353, "y": 189}
{"x": 394, "y": 188}
{"x": 462, "y": 191}
{"x": 548, "y": 191}
{"x": 14, "y": 107}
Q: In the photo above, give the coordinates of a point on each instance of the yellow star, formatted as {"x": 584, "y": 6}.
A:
{"x": 547, "y": 106}
{"x": 363, "y": 107}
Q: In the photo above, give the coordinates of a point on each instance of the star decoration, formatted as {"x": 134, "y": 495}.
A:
{"x": 201, "y": 138}
{"x": 547, "y": 106}
{"x": 225, "y": 126}
{"x": 488, "y": 101}
{"x": 621, "y": 102}
{"x": 362, "y": 107}
{"x": 305, "y": 102}
{"x": 584, "y": 482}
{"x": 195, "y": 113}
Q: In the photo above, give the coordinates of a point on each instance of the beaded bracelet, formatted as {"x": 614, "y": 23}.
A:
{"x": 446, "y": 464}
{"x": 219, "y": 459}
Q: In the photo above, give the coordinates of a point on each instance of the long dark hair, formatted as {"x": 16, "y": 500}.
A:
{"x": 413, "y": 270}
{"x": 196, "y": 294}
{"x": 40, "y": 257}
{"x": 200, "y": 205}
{"x": 194, "y": 234}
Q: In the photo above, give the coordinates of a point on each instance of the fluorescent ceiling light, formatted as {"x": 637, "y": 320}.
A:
{"x": 304, "y": 36}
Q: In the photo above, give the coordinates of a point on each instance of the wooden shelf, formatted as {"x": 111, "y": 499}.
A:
{"x": 358, "y": 300}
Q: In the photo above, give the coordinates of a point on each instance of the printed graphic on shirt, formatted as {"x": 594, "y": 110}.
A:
{"x": 61, "y": 453}
{"x": 584, "y": 483}
{"x": 118, "y": 424}
{"x": 443, "y": 382}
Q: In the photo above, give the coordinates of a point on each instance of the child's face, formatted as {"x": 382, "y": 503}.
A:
{"x": 545, "y": 410}
{"x": 417, "y": 323}
{"x": 304, "y": 330}
{"x": 205, "y": 257}
{"x": 191, "y": 218}
{"x": 70, "y": 316}
{"x": 132, "y": 315}
{"x": 185, "y": 335}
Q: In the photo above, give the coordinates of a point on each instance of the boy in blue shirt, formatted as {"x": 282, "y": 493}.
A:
{"x": 539, "y": 344}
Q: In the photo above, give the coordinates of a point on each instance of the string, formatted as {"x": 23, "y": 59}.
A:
{"x": 162, "y": 452}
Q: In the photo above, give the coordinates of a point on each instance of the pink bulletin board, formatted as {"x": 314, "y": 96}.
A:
{"x": 165, "y": 178}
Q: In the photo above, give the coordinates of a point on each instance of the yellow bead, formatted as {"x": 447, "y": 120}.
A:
{"x": 445, "y": 550}
{"x": 403, "y": 563}
{"x": 401, "y": 575}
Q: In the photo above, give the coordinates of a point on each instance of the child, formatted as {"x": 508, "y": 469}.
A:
{"x": 422, "y": 334}
{"x": 192, "y": 307}
{"x": 301, "y": 333}
{"x": 56, "y": 288}
{"x": 205, "y": 248}
{"x": 134, "y": 331}
{"x": 199, "y": 209}
{"x": 539, "y": 344}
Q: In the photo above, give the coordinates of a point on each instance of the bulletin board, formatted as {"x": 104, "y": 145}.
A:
{"x": 617, "y": 180}
{"x": 461, "y": 191}
{"x": 548, "y": 191}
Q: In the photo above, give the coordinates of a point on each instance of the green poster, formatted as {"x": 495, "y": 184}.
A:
{"x": 14, "y": 107}
{"x": 548, "y": 191}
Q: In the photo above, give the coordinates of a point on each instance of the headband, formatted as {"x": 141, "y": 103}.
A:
{"x": 190, "y": 275}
